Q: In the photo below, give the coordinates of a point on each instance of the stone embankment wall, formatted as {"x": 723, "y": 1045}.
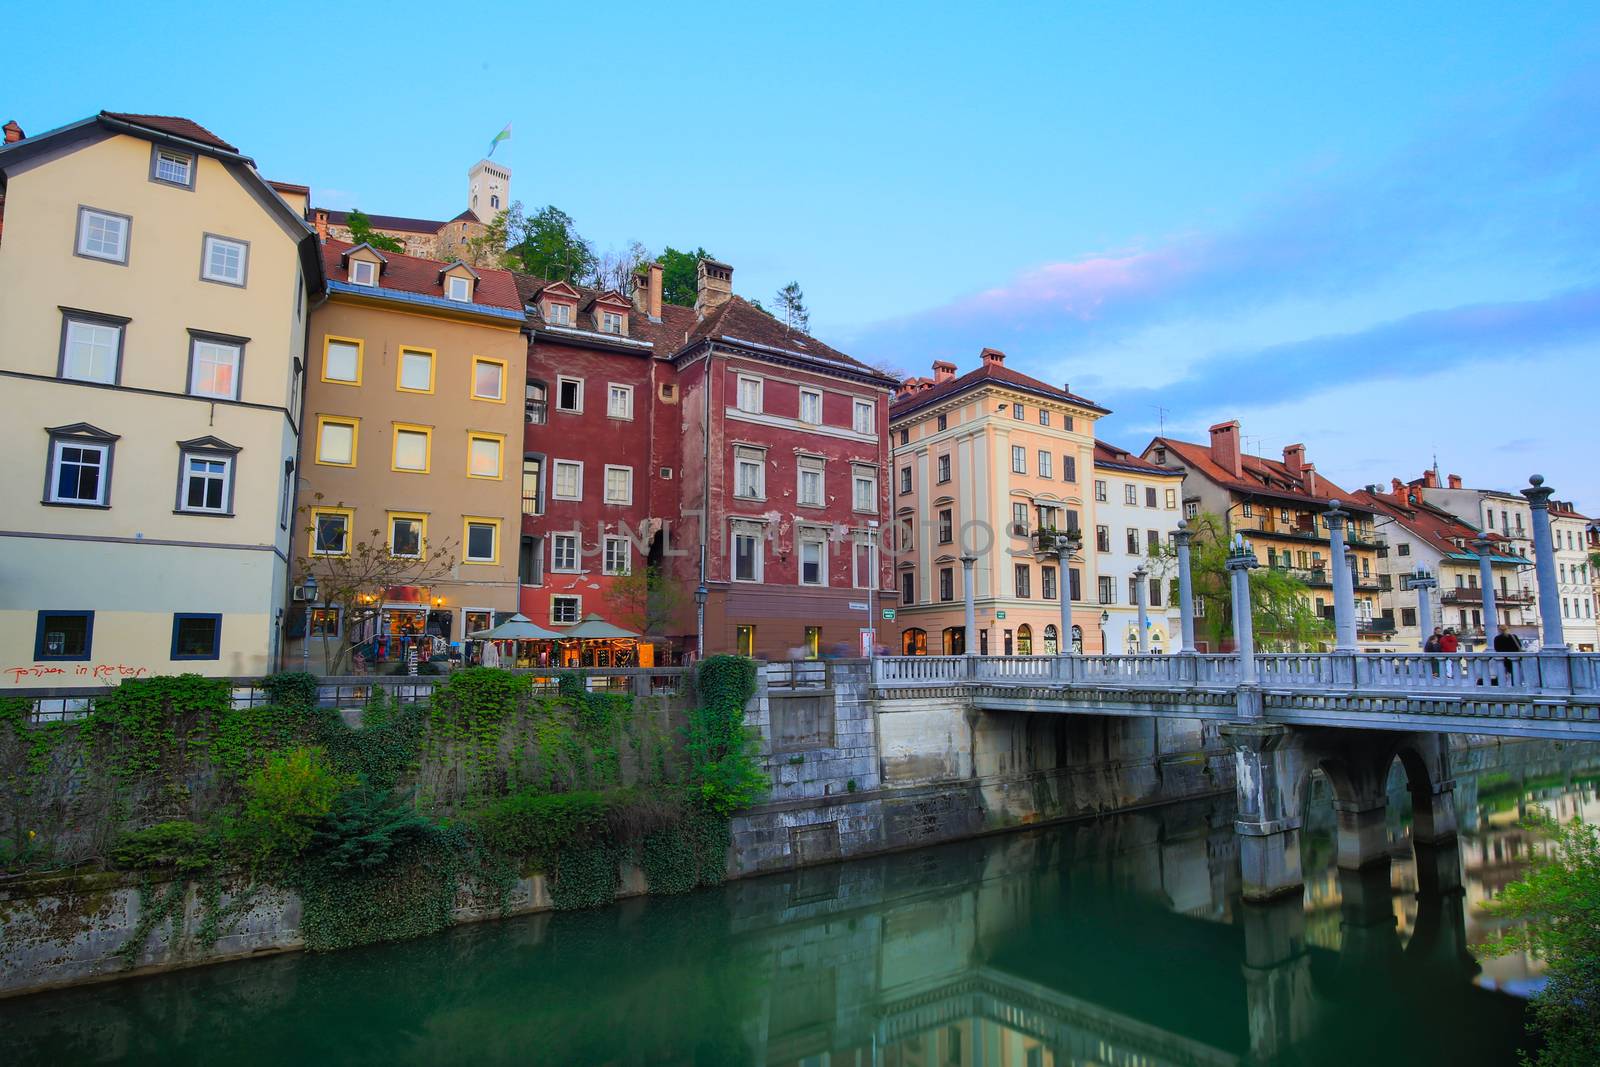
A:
{"x": 853, "y": 774}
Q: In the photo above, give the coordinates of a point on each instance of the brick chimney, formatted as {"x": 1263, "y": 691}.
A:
{"x": 1430, "y": 479}
{"x": 1308, "y": 476}
{"x": 1294, "y": 458}
{"x": 320, "y": 218}
{"x": 647, "y": 291}
{"x": 1453, "y": 481}
{"x": 1225, "y": 447}
{"x": 13, "y": 132}
{"x": 1397, "y": 488}
{"x": 713, "y": 286}
{"x": 943, "y": 371}
{"x": 992, "y": 355}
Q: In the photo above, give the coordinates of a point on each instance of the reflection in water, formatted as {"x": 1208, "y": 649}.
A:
{"x": 1118, "y": 942}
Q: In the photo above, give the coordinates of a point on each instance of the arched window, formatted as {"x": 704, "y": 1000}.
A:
{"x": 494, "y": 201}
{"x": 1077, "y": 640}
{"x": 1024, "y": 640}
{"x": 914, "y": 642}
{"x": 1050, "y": 639}
{"x": 955, "y": 640}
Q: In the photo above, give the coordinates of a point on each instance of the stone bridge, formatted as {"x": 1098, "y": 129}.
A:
{"x": 1349, "y": 715}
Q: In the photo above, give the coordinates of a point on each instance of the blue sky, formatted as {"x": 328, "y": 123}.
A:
{"x": 1373, "y": 230}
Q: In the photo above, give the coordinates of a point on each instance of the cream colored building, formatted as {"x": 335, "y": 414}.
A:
{"x": 1137, "y": 509}
{"x": 153, "y": 298}
{"x": 981, "y": 462}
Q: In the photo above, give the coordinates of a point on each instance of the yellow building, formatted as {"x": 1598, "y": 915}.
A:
{"x": 153, "y": 299}
{"x": 981, "y": 463}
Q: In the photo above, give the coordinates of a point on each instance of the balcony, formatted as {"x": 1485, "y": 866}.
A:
{"x": 1377, "y": 627}
{"x": 1473, "y": 595}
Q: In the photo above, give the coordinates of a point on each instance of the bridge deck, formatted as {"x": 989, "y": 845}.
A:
{"x": 1554, "y": 695}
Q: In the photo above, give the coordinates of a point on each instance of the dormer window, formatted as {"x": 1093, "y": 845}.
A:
{"x": 558, "y": 314}
{"x": 610, "y": 322}
{"x": 460, "y": 289}
{"x": 363, "y": 272}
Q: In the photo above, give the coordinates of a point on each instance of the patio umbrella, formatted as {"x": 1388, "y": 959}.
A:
{"x": 516, "y": 628}
{"x": 594, "y": 628}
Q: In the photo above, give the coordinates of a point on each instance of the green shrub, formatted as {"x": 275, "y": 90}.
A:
{"x": 535, "y": 827}
{"x": 183, "y": 846}
{"x": 724, "y": 773}
{"x": 284, "y": 800}
{"x": 292, "y": 689}
{"x": 363, "y": 828}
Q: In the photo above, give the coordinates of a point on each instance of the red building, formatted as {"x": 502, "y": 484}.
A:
{"x": 712, "y": 446}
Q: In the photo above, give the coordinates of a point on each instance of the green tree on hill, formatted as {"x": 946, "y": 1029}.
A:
{"x": 680, "y": 275}
{"x": 361, "y": 232}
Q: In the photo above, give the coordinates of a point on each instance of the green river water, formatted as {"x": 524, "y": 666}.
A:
{"x": 1120, "y": 941}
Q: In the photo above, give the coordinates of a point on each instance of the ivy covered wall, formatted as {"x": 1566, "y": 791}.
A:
{"x": 380, "y": 830}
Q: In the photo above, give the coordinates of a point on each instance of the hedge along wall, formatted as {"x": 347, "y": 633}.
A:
{"x": 378, "y": 829}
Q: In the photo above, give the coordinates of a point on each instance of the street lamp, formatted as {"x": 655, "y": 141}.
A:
{"x": 310, "y": 589}
{"x": 701, "y": 595}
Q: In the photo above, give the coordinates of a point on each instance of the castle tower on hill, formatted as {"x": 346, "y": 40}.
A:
{"x": 488, "y": 194}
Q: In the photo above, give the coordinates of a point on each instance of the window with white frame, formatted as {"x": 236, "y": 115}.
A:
{"x": 564, "y": 552}
{"x": 750, "y": 473}
{"x": 207, "y": 483}
{"x": 861, "y": 560}
{"x": 747, "y": 559}
{"x": 558, "y": 314}
{"x": 416, "y": 371}
{"x": 411, "y": 448}
{"x": 1130, "y": 494}
{"x": 1100, "y": 490}
{"x": 1019, "y": 459}
{"x": 810, "y": 488}
{"x": 1016, "y": 412}
{"x": 564, "y": 610}
{"x": 484, "y": 453}
{"x": 864, "y": 412}
{"x": 488, "y": 379}
{"x": 330, "y": 533}
{"x": 1044, "y": 417}
{"x": 1172, "y": 499}
{"x": 619, "y": 401}
{"x": 103, "y": 235}
{"x": 1044, "y": 464}
{"x": 460, "y": 289}
{"x": 91, "y": 349}
{"x": 341, "y": 362}
{"x": 1191, "y": 509}
{"x": 569, "y": 394}
{"x": 363, "y": 272}
{"x": 405, "y": 536}
{"x": 214, "y": 366}
{"x": 567, "y": 480}
{"x": 942, "y": 465}
{"x": 813, "y": 561}
{"x": 811, "y": 406}
{"x": 617, "y": 558}
{"x": 905, "y": 480}
{"x": 80, "y": 471}
{"x": 864, "y": 489}
{"x": 619, "y": 484}
{"x": 224, "y": 260}
{"x": 610, "y": 322}
{"x": 336, "y": 441}
{"x": 174, "y": 168}
{"x": 749, "y": 393}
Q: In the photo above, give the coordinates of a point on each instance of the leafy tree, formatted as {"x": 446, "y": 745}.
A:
{"x": 680, "y": 275}
{"x": 791, "y": 305}
{"x": 361, "y": 232}
{"x": 1282, "y": 615}
{"x": 548, "y": 245}
{"x": 489, "y": 248}
{"x": 648, "y": 600}
{"x": 284, "y": 800}
{"x": 1555, "y": 914}
{"x": 356, "y": 581}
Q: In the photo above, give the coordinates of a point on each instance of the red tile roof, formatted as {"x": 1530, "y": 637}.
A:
{"x": 174, "y": 125}
{"x": 1109, "y": 455}
{"x": 1260, "y": 476}
{"x": 409, "y": 274}
{"x": 1429, "y": 523}
{"x": 987, "y": 373}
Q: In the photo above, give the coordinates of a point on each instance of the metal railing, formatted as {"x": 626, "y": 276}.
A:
{"x": 799, "y": 674}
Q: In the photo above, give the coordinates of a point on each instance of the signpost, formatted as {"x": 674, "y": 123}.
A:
{"x": 1000, "y": 614}
{"x": 888, "y": 614}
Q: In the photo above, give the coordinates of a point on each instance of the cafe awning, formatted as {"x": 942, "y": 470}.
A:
{"x": 594, "y": 628}
{"x": 516, "y": 628}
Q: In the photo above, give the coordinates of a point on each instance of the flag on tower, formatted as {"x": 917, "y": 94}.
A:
{"x": 503, "y": 135}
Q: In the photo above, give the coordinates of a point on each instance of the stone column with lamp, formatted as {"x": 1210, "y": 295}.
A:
{"x": 1553, "y": 667}
{"x": 1344, "y": 595}
{"x": 970, "y": 639}
{"x": 309, "y": 589}
{"x": 1491, "y": 617}
{"x": 1142, "y": 598}
{"x": 1241, "y": 561}
{"x": 1421, "y": 581}
{"x": 1181, "y": 541}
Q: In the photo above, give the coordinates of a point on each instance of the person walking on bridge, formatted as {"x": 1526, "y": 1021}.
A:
{"x": 1506, "y": 641}
{"x": 1431, "y": 647}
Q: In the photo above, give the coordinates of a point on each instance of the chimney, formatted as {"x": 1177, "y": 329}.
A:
{"x": 1430, "y": 478}
{"x": 13, "y": 132}
{"x": 647, "y": 291}
{"x": 1225, "y": 447}
{"x": 1308, "y": 475}
{"x": 1294, "y": 458}
{"x": 1397, "y": 488}
{"x": 713, "y": 286}
{"x": 1453, "y": 481}
{"x": 321, "y": 218}
{"x": 655, "y": 292}
{"x": 943, "y": 371}
{"x": 992, "y": 355}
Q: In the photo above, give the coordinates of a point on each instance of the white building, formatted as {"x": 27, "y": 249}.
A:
{"x": 1569, "y": 532}
{"x": 1136, "y": 512}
